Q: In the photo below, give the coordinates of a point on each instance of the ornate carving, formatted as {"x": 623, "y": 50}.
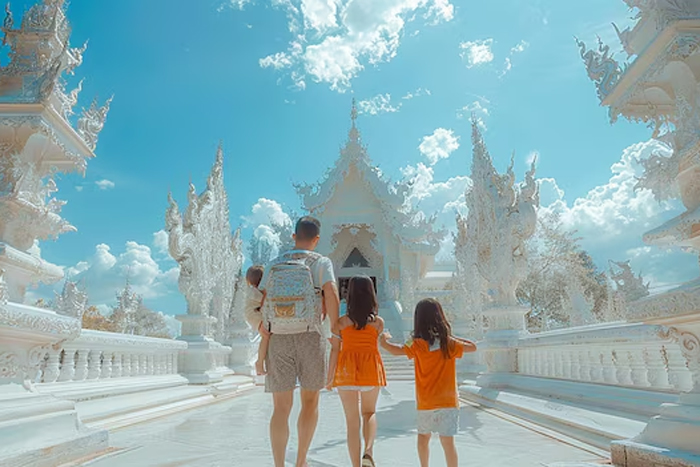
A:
{"x": 690, "y": 347}
{"x": 71, "y": 301}
{"x": 601, "y": 67}
{"x": 209, "y": 255}
{"x": 40, "y": 321}
{"x": 92, "y": 121}
{"x": 630, "y": 286}
{"x": 4, "y": 296}
{"x": 501, "y": 218}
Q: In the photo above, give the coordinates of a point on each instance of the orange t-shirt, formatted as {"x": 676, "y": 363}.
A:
{"x": 436, "y": 376}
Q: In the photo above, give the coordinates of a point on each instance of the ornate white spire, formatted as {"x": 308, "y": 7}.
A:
{"x": 602, "y": 68}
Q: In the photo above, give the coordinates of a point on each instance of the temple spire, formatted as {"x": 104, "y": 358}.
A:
{"x": 354, "y": 134}
{"x": 353, "y": 112}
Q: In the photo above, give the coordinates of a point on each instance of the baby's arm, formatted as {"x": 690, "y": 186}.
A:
{"x": 393, "y": 349}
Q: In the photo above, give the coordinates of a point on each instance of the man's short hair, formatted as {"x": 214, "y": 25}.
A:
{"x": 307, "y": 228}
{"x": 254, "y": 275}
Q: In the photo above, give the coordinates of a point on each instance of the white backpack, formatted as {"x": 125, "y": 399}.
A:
{"x": 293, "y": 304}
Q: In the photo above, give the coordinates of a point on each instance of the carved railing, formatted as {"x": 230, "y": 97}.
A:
{"x": 629, "y": 355}
{"x": 97, "y": 355}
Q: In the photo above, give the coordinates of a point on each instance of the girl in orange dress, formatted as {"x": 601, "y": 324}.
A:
{"x": 434, "y": 350}
{"x": 356, "y": 367}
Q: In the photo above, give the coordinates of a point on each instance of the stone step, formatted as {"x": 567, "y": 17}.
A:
{"x": 592, "y": 427}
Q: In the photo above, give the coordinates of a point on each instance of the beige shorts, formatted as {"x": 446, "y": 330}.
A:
{"x": 293, "y": 358}
{"x": 444, "y": 422}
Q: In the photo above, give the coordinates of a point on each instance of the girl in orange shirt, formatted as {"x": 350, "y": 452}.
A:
{"x": 435, "y": 351}
{"x": 356, "y": 367}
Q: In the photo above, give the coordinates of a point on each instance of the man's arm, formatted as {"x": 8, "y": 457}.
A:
{"x": 393, "y": 349}
{"x": 332, "y": 302}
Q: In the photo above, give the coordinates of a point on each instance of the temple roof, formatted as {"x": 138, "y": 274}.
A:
{"x": 410, "y": 227}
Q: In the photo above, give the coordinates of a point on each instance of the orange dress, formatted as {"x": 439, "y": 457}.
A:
{"x": 359, "y": 361}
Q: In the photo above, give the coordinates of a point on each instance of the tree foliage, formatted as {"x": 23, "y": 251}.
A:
{"x": 146, "y": 322}
{"x": 557, "y": 267}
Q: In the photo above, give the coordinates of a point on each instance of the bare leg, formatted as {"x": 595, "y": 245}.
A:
{"x": 424, "y": 449}
{"x": 351, "y": 406}
{"x": 368, "y": 402}
{"x": 262, "y": 354}
{"x": 448, "y": 445}
{"x": 306, "y": 425}
{"x": 279, "y": 425}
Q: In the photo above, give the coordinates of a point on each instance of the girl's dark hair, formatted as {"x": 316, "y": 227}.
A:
{"x": 430, "y": 323}
{"x": 361, "y": 301}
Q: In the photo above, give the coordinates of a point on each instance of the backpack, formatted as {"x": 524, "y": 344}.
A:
{"x": 293, "y": 304}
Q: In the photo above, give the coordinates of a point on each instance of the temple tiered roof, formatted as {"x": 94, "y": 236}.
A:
{"x": 410, "y": 226}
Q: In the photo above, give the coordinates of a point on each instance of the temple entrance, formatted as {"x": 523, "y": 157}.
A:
{"x": 343, "y": 286}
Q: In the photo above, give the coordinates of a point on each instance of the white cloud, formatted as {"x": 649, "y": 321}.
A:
{"x": 379, "y": 104}
{"x": 520, "y": 47}
{"x": 612, "y": 218}
{"x": 478, "y": 109}
{"x": 278, "y": 61}
{"x": 79, "y": 188}
{"x": 103, "y": 274}
{"x": 265, "y": 212}
{"x": 235, "y": 4}
{"x": 417, "y": 93}
{"x": 333, "y": 40}
{"x": 160, "y": 242}
{"x": 105, "y": 184}
{"x": 441, "y": 11}
{"x": 439, "y": 145}
{"x": 477, "y": 52}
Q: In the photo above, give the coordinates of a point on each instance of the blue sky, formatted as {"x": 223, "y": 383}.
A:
{"x": 275, "y": 82}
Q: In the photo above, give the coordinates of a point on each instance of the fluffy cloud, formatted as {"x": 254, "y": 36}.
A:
{"x": 478, "y": 109}
{"x": 439, "y": 145}
{"x": 477, "y": 52}
{"x": 160, "y": 242}
{"x": 518, "y": 48}
{"x": 265, "y": 212}
{"x": 333, "y": 40}
{"x": 105, "y": 184}
{"x": 379, "y": 104}
{"x": 103, "y": 274}
{"x": 612, "y": 218}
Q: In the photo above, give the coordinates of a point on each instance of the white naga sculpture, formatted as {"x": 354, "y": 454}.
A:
{"x": 630, "y": 286}
{"x": 71, "y": 301}
{"x": 501, "y": 218}
{"x": 210, "y": 257}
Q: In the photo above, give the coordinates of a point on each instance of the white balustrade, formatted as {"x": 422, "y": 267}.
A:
{"x": 97, "y": 355}
{"x": 631, "y": 355}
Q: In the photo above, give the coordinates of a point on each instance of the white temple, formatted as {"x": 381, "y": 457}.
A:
{"x": 368, "y": 228}
{"x": 627, "y": 390}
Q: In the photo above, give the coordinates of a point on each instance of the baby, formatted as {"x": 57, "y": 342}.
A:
{"x": 253, "y": 315}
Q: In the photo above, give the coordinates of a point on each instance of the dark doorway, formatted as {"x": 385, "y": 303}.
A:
{"x": 343, "y": 286}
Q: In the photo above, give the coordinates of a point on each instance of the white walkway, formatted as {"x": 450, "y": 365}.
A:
{"x": 234, "y": 433}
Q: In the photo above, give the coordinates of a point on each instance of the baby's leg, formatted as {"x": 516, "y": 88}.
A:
{"x": 448, "y": 445}
{"x": 262, "y": 354}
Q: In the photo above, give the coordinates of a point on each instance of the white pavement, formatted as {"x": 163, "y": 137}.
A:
{"x": 234, "y": 433}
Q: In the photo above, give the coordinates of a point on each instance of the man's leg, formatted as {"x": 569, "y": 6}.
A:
{"x": 306, "y": 425}
{"x": 310, "y": 351}
{"x": 279, "y": 425}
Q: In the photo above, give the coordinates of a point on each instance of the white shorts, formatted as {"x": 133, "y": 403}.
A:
{"x": 444, "y": 422}
{"x": 356, "y": 388}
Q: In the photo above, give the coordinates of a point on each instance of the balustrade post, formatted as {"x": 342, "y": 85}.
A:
{"x": 117, "y": 368}
{"x": 678, "y": 373}
{"x": 584, "y": 365}
{"x": 656, "y": 363}
{"x": 575, "y": 365}
{"x": 53, "y": 366}
{"x": 134, "y": 365}
{"x": 566, "y": 364}
{"x": 67, "y": 366}
{"x": 94, "y": 364}
{"x": 595, "y": 365}
{"x": 107, "y": 365}
{"x": 638, "y": 369}
{"x": 558, "y": 365}
{"x": 622, "y": 368}
{"x": 151, "y": 365}
{"x": 81, "y": 366}
{"x": 171, "y": 365}
{"x": 609, "y": 369}
{"x": 143, "y": 364}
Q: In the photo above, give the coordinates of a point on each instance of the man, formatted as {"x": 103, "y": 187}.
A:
{"x": 300, "y": 355}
